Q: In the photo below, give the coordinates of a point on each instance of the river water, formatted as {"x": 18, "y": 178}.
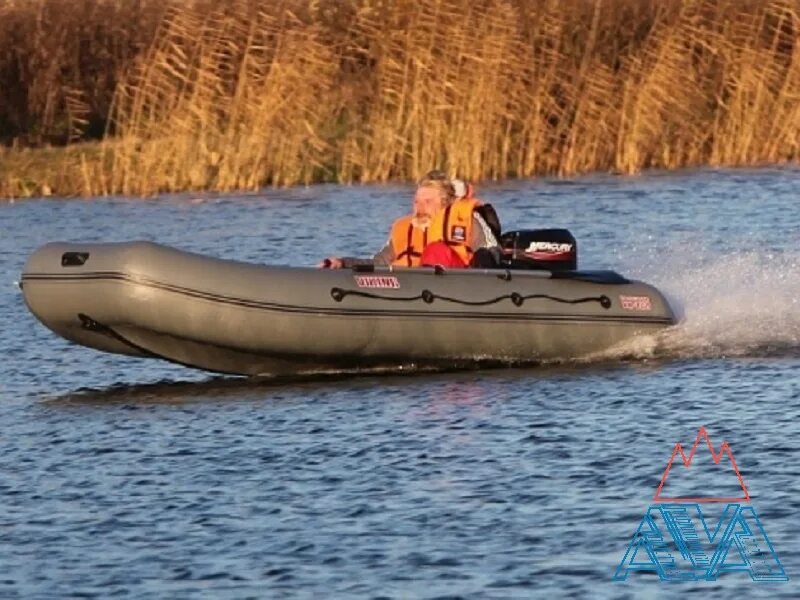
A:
{"x": 133, "y": 478}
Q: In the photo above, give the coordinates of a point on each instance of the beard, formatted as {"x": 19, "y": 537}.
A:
{"x": 421, "y": 221}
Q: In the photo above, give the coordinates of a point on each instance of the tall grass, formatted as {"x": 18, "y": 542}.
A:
{"x": 59, "y": 64}
{"x": 228, "y": 97}
{"x": 244, "y": 93}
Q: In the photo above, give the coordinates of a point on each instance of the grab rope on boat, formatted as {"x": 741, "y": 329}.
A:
{"x": 428, "y": 297}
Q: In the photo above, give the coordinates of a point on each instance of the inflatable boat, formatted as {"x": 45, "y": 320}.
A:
{"x": 147, "y": 300}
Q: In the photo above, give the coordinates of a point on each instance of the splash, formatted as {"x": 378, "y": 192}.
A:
{"x": 743, "y": 304}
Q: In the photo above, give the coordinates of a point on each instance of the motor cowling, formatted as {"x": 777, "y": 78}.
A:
{"x": 546, "y": 249}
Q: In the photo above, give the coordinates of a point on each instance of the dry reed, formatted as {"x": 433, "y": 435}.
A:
{"x": 59, "y": 63}
{"x": 243, "y": 94}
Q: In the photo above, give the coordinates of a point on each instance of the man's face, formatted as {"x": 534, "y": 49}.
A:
{"x": 427, "y": 201}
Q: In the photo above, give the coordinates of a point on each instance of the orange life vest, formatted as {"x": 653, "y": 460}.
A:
{"x": 453, "y": 226}
{"x": 408, "y": 242}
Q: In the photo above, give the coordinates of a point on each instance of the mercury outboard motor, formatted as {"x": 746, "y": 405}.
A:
{"x": 548, "y": 249}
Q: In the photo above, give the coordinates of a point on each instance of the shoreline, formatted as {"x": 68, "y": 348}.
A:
{"x": 66, "y": 173}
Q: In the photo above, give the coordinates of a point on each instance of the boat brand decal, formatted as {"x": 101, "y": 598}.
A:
{"x": 637, "y": 303}
{"x": 550, "y": 247}
{"x": 458, "y": 233}
{"x": 677, "y": 542}
{"x": 387, "y": 282}
{"x": 549, "y": 251}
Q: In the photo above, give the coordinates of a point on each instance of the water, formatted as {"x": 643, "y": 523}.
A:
{"x": 132, "y": 478}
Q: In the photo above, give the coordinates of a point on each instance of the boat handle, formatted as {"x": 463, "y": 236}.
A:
{"x": 74, "y": 259}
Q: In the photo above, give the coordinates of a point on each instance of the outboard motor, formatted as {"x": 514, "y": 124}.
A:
{"x": 548, "y": 249}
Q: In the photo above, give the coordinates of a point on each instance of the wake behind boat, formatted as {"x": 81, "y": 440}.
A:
{"x": 147, "y": 300}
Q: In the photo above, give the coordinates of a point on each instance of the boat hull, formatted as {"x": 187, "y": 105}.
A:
{"x": 147, "y": 300}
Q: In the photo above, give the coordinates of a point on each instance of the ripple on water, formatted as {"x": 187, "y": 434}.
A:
{"x": 136, "y": 478}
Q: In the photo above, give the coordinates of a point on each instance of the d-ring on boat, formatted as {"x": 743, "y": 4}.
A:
{"x": 148, "y": 300}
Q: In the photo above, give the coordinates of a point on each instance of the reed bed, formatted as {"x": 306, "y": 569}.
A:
{"x": 60, "y": 61}
{"x": 242, "y": 94}
{"x": 51, "y": 171}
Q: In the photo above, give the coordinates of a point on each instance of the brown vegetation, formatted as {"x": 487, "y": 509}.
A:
{"x": 244, "y": 93}
{"x": 60, "y": 61}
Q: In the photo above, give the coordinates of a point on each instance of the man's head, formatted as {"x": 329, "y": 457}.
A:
{"x": 433, "y": 194}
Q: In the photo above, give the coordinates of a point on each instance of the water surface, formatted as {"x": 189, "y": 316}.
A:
{"x": 136, "y": 478}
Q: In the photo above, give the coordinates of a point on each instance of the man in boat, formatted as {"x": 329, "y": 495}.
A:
{"x": 464, "y": 233}
{"x": 444, "y": 224}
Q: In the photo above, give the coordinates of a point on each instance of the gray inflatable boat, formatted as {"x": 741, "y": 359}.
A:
{"x": 147, "y": 300}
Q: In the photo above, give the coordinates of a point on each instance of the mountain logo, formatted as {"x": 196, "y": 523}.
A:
{"x": 724, "y": 451}
{"x": 675, "y": 540}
